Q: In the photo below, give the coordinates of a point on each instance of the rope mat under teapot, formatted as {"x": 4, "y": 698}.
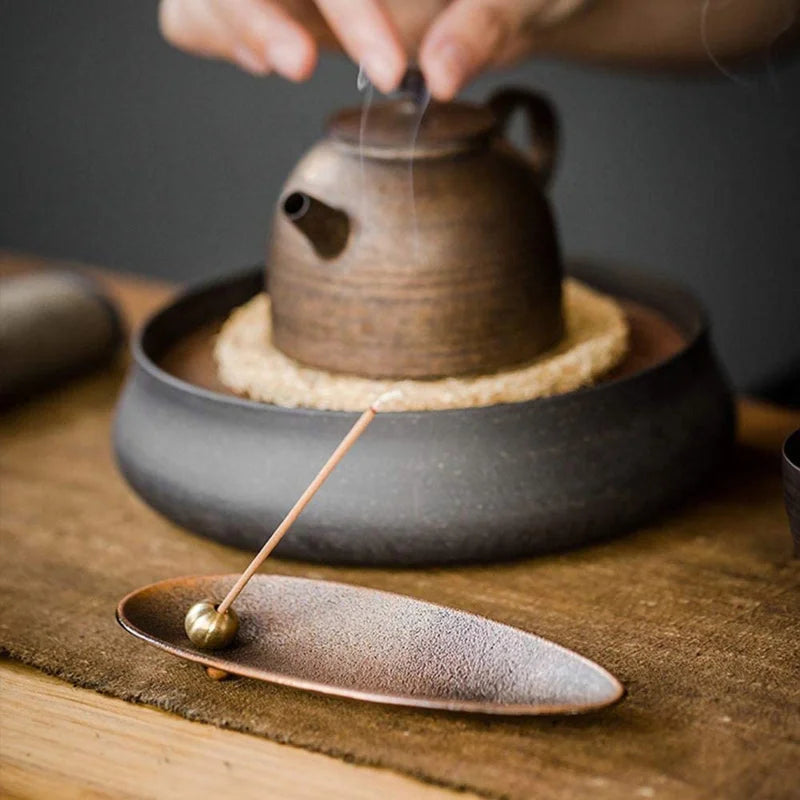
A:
{"x": 249, "y": 364}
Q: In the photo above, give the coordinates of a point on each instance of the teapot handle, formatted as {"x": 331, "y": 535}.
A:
{"x": 542, "y": 121}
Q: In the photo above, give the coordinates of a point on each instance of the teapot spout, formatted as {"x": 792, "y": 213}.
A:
{"x": 325, "y": 227}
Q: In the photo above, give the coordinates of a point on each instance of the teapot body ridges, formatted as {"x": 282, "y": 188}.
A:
{"x": 387, "y": 266}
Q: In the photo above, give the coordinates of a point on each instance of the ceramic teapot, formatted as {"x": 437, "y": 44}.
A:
{"x": 417, "y": 242}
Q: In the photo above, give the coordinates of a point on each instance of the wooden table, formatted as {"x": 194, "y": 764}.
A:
{"x": 60, "y": 741}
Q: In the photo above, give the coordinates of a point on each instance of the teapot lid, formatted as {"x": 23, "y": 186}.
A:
{"x": 404, "y": 127}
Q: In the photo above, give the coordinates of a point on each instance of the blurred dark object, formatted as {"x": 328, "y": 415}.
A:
{"x": 54, "y": 325}
{"x": 784, "y": 389}
{"x": 791, "y": 486}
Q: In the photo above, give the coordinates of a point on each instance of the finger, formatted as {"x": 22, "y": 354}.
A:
{"x": 466, "y": 37}
{"x": 265, "y": 31}
{"x": 369, "y": 37}
{"x": 254, "y": 34}
{"x": 197, "y": 27}
{"x": 193, "y": 26}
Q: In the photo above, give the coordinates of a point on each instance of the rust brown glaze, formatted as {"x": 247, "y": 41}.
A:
{"x": 448, "y": 263}
{"x": 791, "y": 486}
{"x": 376, "y": 646}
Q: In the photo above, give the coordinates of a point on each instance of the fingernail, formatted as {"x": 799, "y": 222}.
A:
{"x": 249, "y": 61}
{"x": 382, "y": 71}
{"x": 288, "y": 59}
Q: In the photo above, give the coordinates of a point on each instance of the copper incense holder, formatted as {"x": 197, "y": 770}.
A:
{"x": 376, "y": 646}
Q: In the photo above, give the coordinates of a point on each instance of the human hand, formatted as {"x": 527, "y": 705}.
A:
{"x": 470, "y": 36}
{"x": 454, "y": 40}
{"x": 283, "y": 36}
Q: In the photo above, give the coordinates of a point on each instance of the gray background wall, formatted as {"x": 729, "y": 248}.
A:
{"x": 118, "y": 150}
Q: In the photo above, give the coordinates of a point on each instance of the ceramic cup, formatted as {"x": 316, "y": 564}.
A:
{"x": 791, "y": 485}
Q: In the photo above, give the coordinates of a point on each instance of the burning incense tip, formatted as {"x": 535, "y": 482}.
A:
{"x": 386, "y": 397}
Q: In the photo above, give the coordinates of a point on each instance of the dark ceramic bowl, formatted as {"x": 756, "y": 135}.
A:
{"x": 425, "y": 487}
{"x": 791, "y": 485}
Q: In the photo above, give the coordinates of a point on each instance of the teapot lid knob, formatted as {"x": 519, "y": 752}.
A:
{"x": 412, "y": 86}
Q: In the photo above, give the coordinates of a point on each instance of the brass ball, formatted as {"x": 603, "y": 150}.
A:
{"x": 207, "y": 628}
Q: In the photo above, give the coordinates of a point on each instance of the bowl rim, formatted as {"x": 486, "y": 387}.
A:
{"x": 792, "y": 440}
{"x": 605, "y": 278}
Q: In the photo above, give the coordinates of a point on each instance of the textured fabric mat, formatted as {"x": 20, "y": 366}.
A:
{"x": 698, "y": 615}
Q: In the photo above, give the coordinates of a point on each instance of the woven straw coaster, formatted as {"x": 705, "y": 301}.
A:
{"x": 249, "y": 364}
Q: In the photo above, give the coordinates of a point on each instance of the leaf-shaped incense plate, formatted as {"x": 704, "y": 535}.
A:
{"x": 370, "y": 645}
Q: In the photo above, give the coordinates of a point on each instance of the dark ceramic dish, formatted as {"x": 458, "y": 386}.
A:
{"x": 791, "y": 485}
{"x": 425, "y": 487}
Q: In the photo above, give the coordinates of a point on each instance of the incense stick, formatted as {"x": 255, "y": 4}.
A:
{"x": 349, "y": 440}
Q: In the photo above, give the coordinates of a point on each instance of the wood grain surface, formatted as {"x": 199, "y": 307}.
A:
{"x": 58, "y": 742}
